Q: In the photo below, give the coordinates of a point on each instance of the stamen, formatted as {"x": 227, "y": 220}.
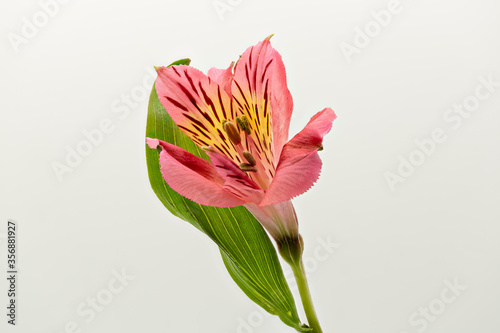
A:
{"x": 243, "y": 123}
{"x": 232, "y": 132}
{"x": 248, "y": 167}
{"x": 249, "y": 157}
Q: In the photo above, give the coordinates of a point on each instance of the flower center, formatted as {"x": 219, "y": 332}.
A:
{"x": 253, "y": 167}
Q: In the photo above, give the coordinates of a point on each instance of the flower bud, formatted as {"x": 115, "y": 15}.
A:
{"x": 291, "y": 249}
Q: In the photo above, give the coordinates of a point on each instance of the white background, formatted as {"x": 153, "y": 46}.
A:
{"x": 394, "y": 249}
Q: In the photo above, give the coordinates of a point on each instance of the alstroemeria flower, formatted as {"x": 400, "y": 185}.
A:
{"x": 241, "y": 119}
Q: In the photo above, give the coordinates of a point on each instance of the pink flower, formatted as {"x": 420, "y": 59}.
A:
{"x": 241, "y": 120}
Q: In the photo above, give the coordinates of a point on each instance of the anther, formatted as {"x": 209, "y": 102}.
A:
{"x": 243, "y": 123}
{"x": 248, "y": 167}
{"x": 232, "y": 132}
{"x": 249, "y": 157}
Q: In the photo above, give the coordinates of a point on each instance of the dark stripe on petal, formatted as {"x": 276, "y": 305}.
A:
{"x": 256, "y": 108}
{"x": 189, "y": 96}
{"x": 255, "y": 79}
{"x": 250, "y": 57}
{"x": 175, "y": 70}
{"x": 242, "y": 94}
{"x": 221, "y": 135}
{"x": 239, "y": 104}
{"x": 222, "y": 167}
{"x": 248, "y": 78}
{"x": 265, "y": 70}
{"x": 190, "y": 81}
{"x": 247, "y": 107}
{"x": 235, "y": 191}
{"x": 228, "y": 154}
{"x": 201, "y": 142}
{"x": 202, "y": 132}
{"x": 188, "y": 130}
{"x": 258, "y": 150}
{"x": 207, "y": 117}
{"x": 266, "y": 96}
{"x": 209, "y": 102}
{"x": 260, "y": 145}
{"x": 196, "y": 121}
{"x": 221, "y": 104}
{"x": 176, "y": 103}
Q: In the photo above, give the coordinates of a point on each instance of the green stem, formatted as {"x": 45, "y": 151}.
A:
{"x": 305, "y": 295}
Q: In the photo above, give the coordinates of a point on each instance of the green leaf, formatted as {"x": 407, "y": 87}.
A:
{"x": 246, "y": 249}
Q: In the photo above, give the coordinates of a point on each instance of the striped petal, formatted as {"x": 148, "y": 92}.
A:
{"x": 223, "y": 77}
{"x": 235, "y": 181}
{"x": 281, "y": 104}
{"x": 251, "y": 91}
{"x": 198, "y": 105}
{"x": 299, "y": 165}
{"x": 192, "y": 176}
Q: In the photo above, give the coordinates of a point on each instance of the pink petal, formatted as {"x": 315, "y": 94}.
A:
{"x": 260, "y": 74}
{"x": 299, "y": 166}
{"x": 235, "y": 181}
{"x": 223, "y": 77}
{"x": 254, "y": 92}
{"x": 192, "y": 176}
{"x": 280, "y": 220}
{"x": 197, "y": 104}
{"x": 281, "y": 105}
